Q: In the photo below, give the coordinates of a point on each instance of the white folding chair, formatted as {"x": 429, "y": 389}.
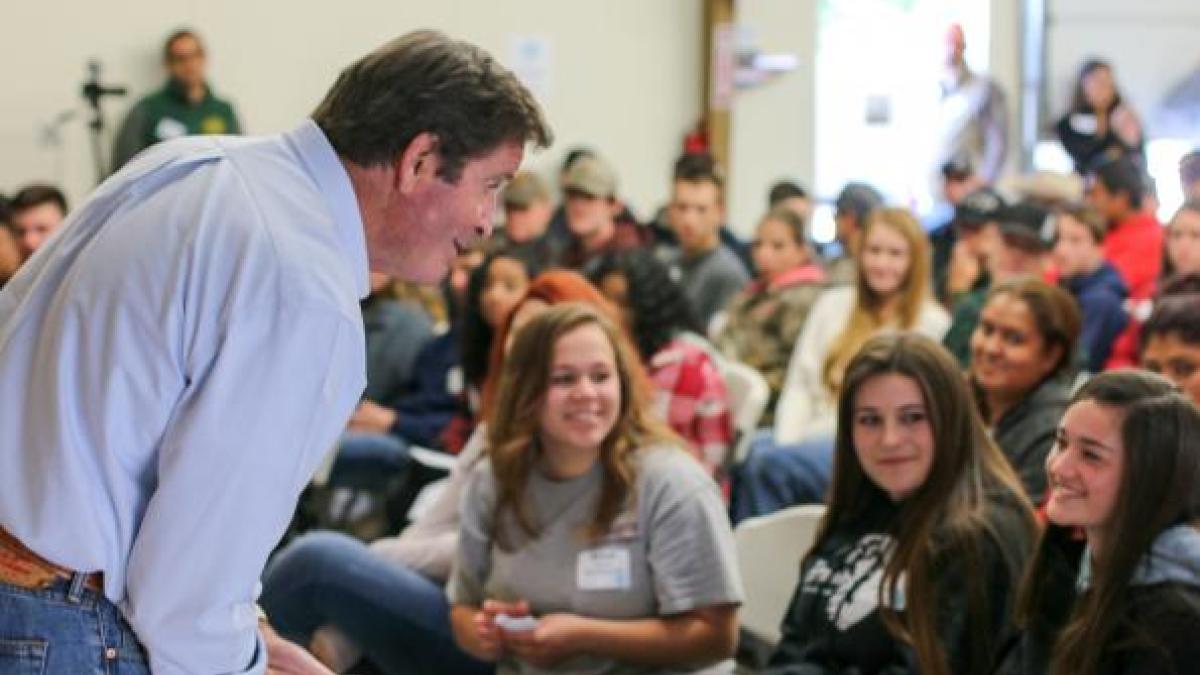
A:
{"x": 325, "y": 468}
{"x": 769, "y": 550}
{"x": 748, "y": 397}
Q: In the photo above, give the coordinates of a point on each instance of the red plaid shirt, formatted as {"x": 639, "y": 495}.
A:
{"x": 693, "y": 400}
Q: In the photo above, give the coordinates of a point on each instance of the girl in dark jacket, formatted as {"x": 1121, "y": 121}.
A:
{"x": 1022, "y": 356}
{"x": 1100, "y": 125}
{"x": 1124, "y": 471}
{"x": 926, "y": 534}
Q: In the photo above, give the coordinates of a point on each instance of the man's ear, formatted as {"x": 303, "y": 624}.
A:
{"x": 616, "y": 206}
{"x": 418, "y": 162}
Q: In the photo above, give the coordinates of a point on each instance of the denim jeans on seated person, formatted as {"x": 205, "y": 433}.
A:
{"x": 776, "y": 477}
{"x": 65, "y": 629}
{"x": 369, "y": 461}
{"x": 399, "y": 618}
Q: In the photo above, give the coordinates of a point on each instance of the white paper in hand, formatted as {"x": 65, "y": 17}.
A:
{"x": 516, "y": 624}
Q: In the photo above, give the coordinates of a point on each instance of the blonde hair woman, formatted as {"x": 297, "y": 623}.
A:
{"x": 891, "y": 292}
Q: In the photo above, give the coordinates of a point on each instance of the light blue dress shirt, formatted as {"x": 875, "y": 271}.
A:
{"x": 173, "y": 365}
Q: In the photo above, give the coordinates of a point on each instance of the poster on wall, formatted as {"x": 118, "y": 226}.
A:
{"x": 530, "y": 60}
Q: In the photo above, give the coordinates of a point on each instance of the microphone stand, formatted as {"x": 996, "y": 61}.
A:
{"x": 93, "y": 92}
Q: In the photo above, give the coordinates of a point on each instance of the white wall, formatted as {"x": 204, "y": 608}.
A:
{"x": 774, "y": 124}
{"x": 624, "y": 75}
{"x": 1152, "y": 45}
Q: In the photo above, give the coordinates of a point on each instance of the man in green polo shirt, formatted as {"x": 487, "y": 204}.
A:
{"x": 184, "y": 106}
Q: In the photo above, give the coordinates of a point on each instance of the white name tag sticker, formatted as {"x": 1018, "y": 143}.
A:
{"x": 168, "y": 128}
{"x": 603, "y": 569}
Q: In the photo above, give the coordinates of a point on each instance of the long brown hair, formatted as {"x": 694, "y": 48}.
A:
{"x": 866, "y": 318}
{"x": 1159, "y": 488}
{"x": 513, "y": 425}
{"x": 949, "y": 517}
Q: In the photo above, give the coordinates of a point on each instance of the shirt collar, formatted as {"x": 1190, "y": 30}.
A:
{"x": 322, "y": 163}
{"x": 175, "y": 89}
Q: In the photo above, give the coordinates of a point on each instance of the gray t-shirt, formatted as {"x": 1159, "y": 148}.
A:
{"x": 670, "y": 552}
{"x": 711, "y": 280}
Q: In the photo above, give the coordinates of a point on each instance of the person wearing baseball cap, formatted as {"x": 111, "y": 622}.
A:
{"x": 594, "y": 215}
{"x": 1005, "y": 242}
{"x": 854, "y": 203}
{"x": 963, "y": 270}
{"x": 528, "y": 208}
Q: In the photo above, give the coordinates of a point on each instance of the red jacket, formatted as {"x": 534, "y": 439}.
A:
{"x": 1135, "y": 247}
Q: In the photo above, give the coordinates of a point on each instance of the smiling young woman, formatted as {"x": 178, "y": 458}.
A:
{"x": 918, "y": 556}
{"x": 1022, "y": 357}
{"x": 1124, "y": 471}
{"x": 588, "y": 521}
{"x": 891, "y": 293}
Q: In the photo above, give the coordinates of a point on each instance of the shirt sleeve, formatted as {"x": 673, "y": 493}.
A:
{"x": 429, "y": 544}
{"x": 235, "y": 122}
{"x": 474, "y": 556}
{"x": 129, "y": 138}
{"x": 803, "y": 388}
{"x": 690, "y": 550}
{"x": 995, "y": 133}
{"x": 252, "y": 423}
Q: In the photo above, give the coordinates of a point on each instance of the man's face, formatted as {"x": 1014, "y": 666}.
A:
{"x": 954, "y": 190}
{"x": 696, "y": 215}
{"x": 34, "y": 225}
{"x": 423, "y": 231}
{"x": 1013, "y": 259}
{"x": 1192, "y": 190}
{"x": 528, "y": 223}
{"x": 956, "y": 45}
{"x": 1112, "y": 206}
{"x": 1169, "y": 355}
{"x": 980, "y": 241}
{"x": 589, "y": 217}
{"x": 186, "y": 61}
{"x": 1075, "y": 251}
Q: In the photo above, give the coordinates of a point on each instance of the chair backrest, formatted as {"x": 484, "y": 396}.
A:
{"x": 325, "y": 468}
{"x": 769, "y": 550}
{"x": 748, "y": 397}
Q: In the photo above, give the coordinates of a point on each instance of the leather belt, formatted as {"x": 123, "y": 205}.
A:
{"x": 21, "y": 567}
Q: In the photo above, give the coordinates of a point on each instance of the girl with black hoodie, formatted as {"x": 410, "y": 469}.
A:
{"x": 927, "y": 530}
{"x": 1124, "y": 478}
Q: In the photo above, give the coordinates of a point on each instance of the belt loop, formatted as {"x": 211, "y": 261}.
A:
{"x": 75, "y": 593}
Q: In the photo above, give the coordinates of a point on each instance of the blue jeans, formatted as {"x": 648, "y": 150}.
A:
{"x": 369, "y": 461}
{"x": 65, "y": 629}
{"x": 399, "y": 618}
{"x": 776, "y": 477}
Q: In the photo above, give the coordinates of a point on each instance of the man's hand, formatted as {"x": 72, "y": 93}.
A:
{"x": 372, "y": 417}
{"x": 556, "y": 637}
{"x": 289, "y": 658}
